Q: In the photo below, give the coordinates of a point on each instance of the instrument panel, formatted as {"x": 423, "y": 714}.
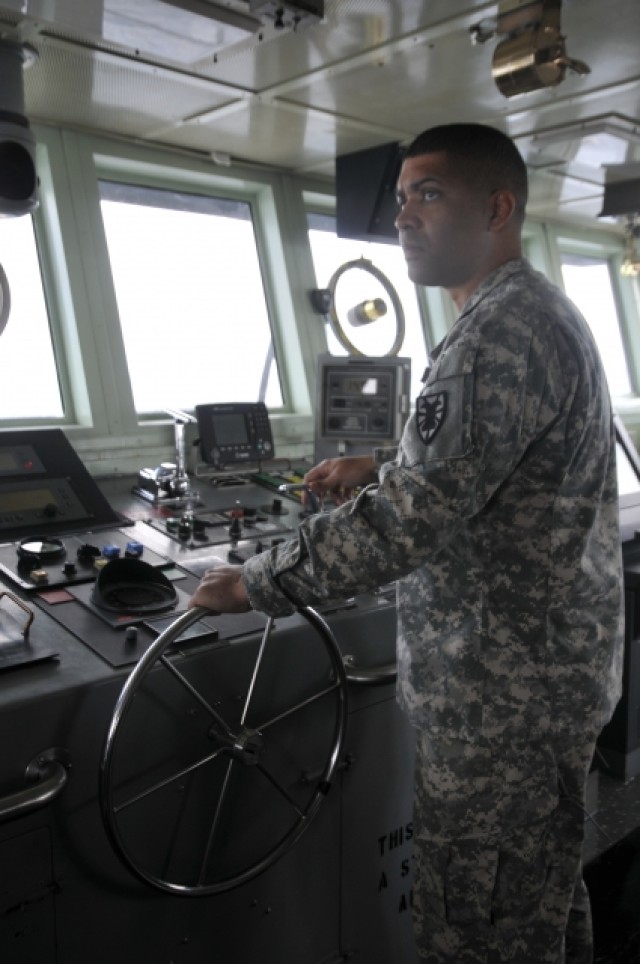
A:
{"x": 83, "y": 600}
{"x": 44, "y": 484}
{"x": 60, "y": 552}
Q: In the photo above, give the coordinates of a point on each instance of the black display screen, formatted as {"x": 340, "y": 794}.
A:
{"x": 8, "y": 460}
{"x": 230, "y": 429}
{"x": 22, "y": 500}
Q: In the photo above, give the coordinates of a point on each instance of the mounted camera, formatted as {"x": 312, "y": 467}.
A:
{"x": 18, "y": 178}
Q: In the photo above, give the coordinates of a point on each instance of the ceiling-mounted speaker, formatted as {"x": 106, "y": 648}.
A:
{"x": 366, "y": 186}
{"x": 620, "y": 198}
{"x": 18, "y": 178}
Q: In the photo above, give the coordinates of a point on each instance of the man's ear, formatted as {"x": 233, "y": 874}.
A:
{"x": 502, "y": 207}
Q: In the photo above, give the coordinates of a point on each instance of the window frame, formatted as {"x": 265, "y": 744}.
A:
{"x": 608, "y": 247}
{"x": 99, "y": 416}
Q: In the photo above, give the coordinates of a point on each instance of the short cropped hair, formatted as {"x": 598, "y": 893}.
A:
{"x": 484, "y": 155}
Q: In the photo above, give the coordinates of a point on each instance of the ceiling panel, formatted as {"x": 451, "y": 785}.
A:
{"x": 371, "y": 71}
{"x": 278, "y": 135}
{"x": 78, "y": 87}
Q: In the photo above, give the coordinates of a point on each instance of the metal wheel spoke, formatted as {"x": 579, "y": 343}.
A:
{"x": 278, "y": 786}
{"x": 256, "y": 668}
{"x": 194, "y": 692}
{"x": 298, "y": 706}
{"x": 165, "y": 783}
{"x": 214, "y": 824}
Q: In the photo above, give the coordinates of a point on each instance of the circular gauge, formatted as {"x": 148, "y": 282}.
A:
{"x": 362, "y": 264}
{"x": 41, "y": 548}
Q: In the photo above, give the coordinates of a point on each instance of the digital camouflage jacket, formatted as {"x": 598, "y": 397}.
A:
{"x": 498, "y": 517}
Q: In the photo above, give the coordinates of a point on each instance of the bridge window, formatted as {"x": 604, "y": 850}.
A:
{"x": 28, "y": 375}
{"x": 190, "y": 298}
{"x": 587, "y": 281}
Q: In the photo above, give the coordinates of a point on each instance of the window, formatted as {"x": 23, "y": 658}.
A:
{"x": 28, "y": 375}
{"x": 190, "y": 298}
{"x": 587, "y": 281}
{"x": 329, "y": 252}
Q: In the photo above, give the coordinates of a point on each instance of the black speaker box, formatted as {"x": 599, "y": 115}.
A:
{"x": 366, "y": 205}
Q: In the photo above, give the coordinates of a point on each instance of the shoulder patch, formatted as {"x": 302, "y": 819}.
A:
{"x": 431, "y": 411}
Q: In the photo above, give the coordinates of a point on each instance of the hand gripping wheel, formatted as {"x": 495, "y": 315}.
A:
{"x": 215, "y": 764}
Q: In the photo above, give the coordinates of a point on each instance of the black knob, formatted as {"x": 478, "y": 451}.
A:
{"x": 185, "y": 528}
{"x": 87, "y": 553}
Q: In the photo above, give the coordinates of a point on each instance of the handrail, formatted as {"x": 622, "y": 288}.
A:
{"x": 48, "y": 772}
{"x": 370, "y": 675}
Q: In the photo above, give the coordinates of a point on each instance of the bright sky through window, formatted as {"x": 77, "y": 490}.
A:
{"x": 190, "y": 299}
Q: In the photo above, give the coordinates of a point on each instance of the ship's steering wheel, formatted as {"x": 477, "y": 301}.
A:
{"x": 205, "y": 782}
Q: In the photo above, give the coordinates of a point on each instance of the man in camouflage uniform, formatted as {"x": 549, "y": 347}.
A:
{"x": 498, "y": 517}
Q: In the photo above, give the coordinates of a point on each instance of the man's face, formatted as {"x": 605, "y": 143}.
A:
{"x": 442, "y": 224}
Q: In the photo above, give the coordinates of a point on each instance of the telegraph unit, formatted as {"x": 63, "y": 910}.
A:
{"x": 361, "y": 403}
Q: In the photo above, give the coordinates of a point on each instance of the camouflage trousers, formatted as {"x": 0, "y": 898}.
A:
{"x": 498, "y": 872}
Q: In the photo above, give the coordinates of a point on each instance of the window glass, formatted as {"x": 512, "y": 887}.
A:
{"x": 587, "y": 281}
{"x": 28, "y": 374}
{"x": 190, "y": 298}
{"x": 356, "y": 286}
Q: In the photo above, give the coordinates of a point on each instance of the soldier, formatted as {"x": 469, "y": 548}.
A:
{"x": 497, "y": 516}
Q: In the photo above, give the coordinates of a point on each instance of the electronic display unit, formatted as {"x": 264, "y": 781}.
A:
{"x": 45, "y": 486}
{"x": 33, "y": 503}
{"x": 18, "y": 459}
{"x": 234, "y": 433}
{"x": 361, "y": 403}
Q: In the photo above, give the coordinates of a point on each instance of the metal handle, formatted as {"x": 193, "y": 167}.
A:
{"x": 314, "y": 501}
{"x": 48, "y": 771}
{"x": 370, "y": 676}
{"x": 23, "y": 606}
{"x": 578, "y": 66}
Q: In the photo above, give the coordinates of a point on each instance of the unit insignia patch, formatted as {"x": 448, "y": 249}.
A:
{"x": 431, "y": 411}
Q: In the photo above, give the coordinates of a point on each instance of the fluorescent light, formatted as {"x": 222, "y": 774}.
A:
{"x": 182, "y": 31}
{"x": 615, "y": 129}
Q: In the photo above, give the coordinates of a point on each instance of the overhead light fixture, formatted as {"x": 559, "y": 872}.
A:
{"x": 612, "y": 125}
{"x": 532, "y": 54}
{"x": 597, "y": 142}
{"x": 182, "y": 31}
{"x": 218, "y": 12}
{"x": 288, "y": 13}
